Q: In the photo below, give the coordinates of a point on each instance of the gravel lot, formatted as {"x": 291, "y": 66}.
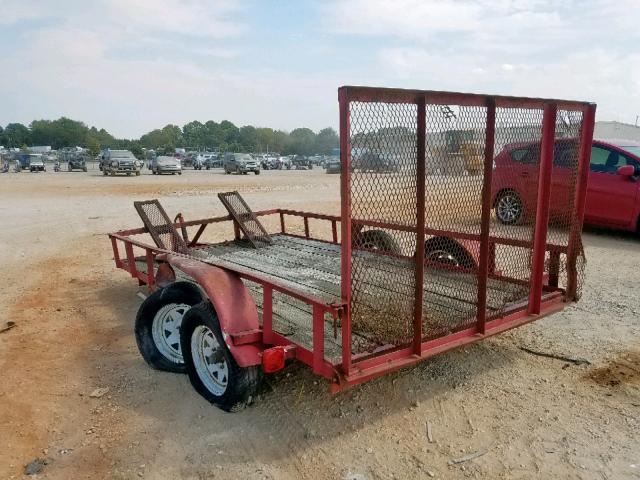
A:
{"x": 524, "y": 416}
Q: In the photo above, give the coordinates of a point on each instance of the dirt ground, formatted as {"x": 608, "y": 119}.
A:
{"x": 524, "y": 416}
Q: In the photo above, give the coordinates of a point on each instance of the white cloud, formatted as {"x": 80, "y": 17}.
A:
{"x": 191, "y": 17}
{"x": 577, "y": 49}
{"x": 13, "y": 11}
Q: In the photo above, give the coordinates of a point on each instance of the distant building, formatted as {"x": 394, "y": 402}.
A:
{"x": 618, "y": 130}
{"x": 40, "y": 149}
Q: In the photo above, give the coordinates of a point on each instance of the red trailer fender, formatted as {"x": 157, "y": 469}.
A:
{"x": 232, "y": 302}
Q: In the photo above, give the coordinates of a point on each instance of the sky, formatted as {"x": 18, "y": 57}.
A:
{"x": 130, "y": 66}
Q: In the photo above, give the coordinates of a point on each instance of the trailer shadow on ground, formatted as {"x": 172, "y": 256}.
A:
{"x": 294, "y": 412}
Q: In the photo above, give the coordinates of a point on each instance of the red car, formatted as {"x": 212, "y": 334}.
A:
{"x": 613, "y": 191}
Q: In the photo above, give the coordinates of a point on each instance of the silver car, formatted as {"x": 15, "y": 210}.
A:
{"x": 163, "y": 164}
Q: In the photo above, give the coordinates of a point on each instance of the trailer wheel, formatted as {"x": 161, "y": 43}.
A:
{"x": 212, "y": 369}
{"x": 158, "y": 324}
{"x": 509, "y": 208}
{"x": 377, "y": 240}
{"x": 446, "y": 251}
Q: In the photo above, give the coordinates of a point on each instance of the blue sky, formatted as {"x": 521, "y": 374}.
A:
{"x": 133, "y": 65}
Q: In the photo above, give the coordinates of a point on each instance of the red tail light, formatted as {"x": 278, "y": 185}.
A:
{"x": 273, "y": 359}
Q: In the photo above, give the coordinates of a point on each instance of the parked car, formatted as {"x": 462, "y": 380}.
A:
{"x": 29, "y": 161}
{"x": 77, "y": 162}
{"x": 165, "y": 164}
{"x": 240, "y": 163}
{"x": 36, "y": 163}
{"x": 211, "y": 160}
{"x": 300, "y": 162}
{"x": 613, "y": 189}
{"x": 119, "y": 161}
{"x": 333, "y": 165}
{"x": 197, "y": 162}
{"x": 375, "y": 162}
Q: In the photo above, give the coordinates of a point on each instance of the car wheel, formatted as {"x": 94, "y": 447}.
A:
{"x": 158, "y": 324}
{"x": 447, "y": 252}
{"x": 377, "y": 240}
{"x": 212, "y": 370}
{"x": 509, "y": 208}
{"x": 257, "y": 172}
{"x": 179, "y": 173}
{"x": 104, "y": 172}
{"x": 84, "y": 169}
{"x": 138, "y": 173}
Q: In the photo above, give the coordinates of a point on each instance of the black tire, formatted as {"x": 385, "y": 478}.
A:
{"x": 509, "y": 208}
{"x": 257, "y": 172}
{"x": 377, "y": 240}
{"x": 448, "y": 252}
{"x": 241, "y": 383}
{"x": 84, "y": 169}
{"x": 175, "y": 294}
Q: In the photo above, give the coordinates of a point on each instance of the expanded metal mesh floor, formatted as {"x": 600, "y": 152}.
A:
{"x": 313, "y": 267}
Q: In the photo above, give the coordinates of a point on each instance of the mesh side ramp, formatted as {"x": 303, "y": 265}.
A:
{"x": 245, "y": 219}
{"x": 162, "y": 230}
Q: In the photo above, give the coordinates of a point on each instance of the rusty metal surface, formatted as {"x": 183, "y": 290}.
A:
{"x": 245, "y": 219}
{"x": 159, "y": 226}
{"x": 313, "y": 267}
{"x": 386, "y": 134}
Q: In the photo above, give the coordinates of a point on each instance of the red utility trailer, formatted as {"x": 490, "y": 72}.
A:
{"x": 415, "y": 263}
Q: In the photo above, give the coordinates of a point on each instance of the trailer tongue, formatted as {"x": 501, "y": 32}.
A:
{"x": 414, "y": 265}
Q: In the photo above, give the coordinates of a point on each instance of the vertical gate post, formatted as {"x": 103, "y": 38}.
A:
{"x": 318, "y": 338}
{"x": 345, "y": 228}
{"x": 542, "y": 207}
{"x": 267, "y": 314}
{"x": 420, "y": 221}
{"x": 584, "y": 158}
{"x": 485, "y": 222}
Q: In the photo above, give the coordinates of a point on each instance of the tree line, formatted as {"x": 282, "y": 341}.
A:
{"x": 225, "y": 136}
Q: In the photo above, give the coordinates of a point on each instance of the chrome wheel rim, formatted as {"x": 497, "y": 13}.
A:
{"x": 166, "y": 330}
{"x": 509, "y": 208}
{"x": 209, "y": 360}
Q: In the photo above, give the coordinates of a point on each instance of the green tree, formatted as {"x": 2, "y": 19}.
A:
{"x": 326, "y": 140}
{"x": 194, "y": 135}
{"x": 302, "y": 141}
{"x": 248, "y": 138}
{"x": 94, "y": 146}
{"x": 16, "y": 135}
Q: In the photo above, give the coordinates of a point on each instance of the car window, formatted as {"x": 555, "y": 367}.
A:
{"x": 604, "y": 160}
{"x": 565, "y": 155}
{"x": 526, "y": 155}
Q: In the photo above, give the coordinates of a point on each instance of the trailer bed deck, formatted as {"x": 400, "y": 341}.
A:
{"x": 312, "y": 267}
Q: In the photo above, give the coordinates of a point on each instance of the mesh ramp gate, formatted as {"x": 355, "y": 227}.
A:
{"x": 245, "y": 219}
{"x": 418, "y": 166}
{"x": 160, "y": 227}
